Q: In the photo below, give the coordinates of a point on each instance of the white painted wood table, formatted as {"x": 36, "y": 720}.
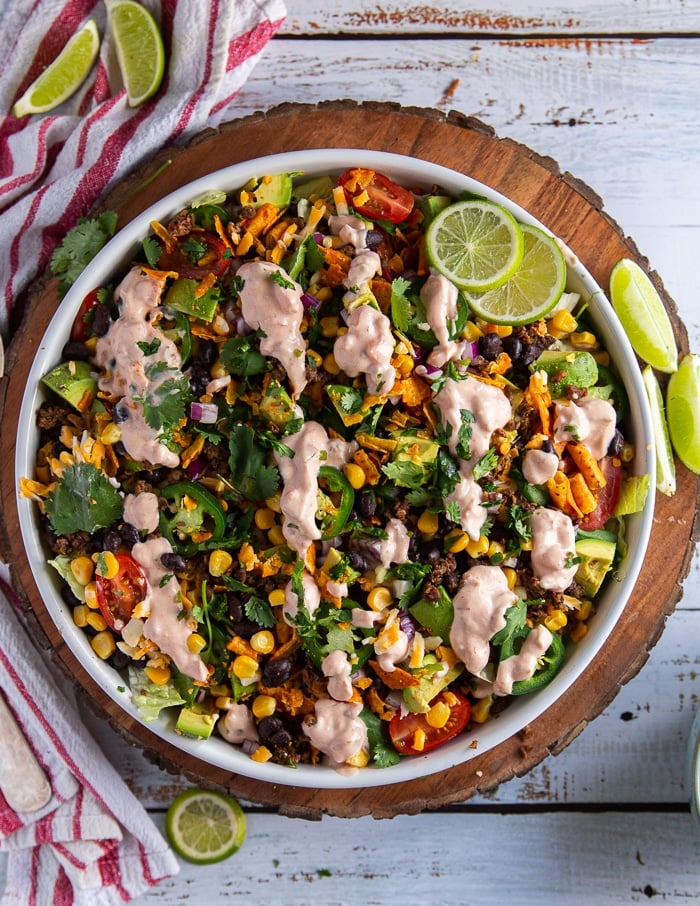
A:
{"x": 611, "y": 90}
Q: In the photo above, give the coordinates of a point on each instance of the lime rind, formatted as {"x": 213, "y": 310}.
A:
{"x": 64, "y": 76}
{"x": 139, "y": 48}
{"x": 204, "y": 827}
{"x": 665, "y": 466}
{"x": 535, "y": 288}
{"x": 643, "y": 316}
{"x": 476, "y": 244}
{"x": 683, "y": 411}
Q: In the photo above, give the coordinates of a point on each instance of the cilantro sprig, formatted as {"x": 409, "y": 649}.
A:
{"x": 83, "y": 500}
{"x": 79, "y": 247}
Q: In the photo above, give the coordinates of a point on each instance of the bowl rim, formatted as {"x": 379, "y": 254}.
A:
{"x": 111, "y": 261}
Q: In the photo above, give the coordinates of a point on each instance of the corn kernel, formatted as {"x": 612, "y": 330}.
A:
{"x": 503, "y": 330}
{"x": 628, "y": 452}
{"x": 481, "y": 709}
{"x": 556, "y": 620}
{"x": 263, "y": 641}
{"x": 563, "y": 322}
{"x": 96, "y": 620}
{"x": 82, "y": 569}
{"x": 460, "y": 541}
{"x": 419, "y": 740}
{"x": 579, "y": 631}
{"x": 277, "y": 597}
{"x": 471, "y": 332}
{"x": 159, "y": 676}
{"x": 107, "y": 565}
{"x": 264, "y": 519}
{"x": 80, "y": 615}
{"x": 245, "y": 667}
{"x": 264, "y": 706}
{"x": 276, "y": 535}
{"x": 496, "y": 551}
{"x": 428, "y": 523}
{"x": 330, "y": 365}
{"x": 585, "y": 609}
{"x": 329, "y": 326}
{"x": 261, "y": 754}
{"x": 103, "y": 644}
{"x": 273, "y": 503}
{"x": 583, "y": 340}
{"x": 111, "y": 433}
{"x": 404, "y": 365}
{"x": 379, "y": 598}
{"x": 196, "y": 643}
{"x": 511, "y": 576}
{"x": 224, "y": 702}
{"x": 438, "y": 715}
{"x": 219, "y": 562}
{"x": 91, "y": 596}
{"x": 218, "y": 370}
{"x": 359, "y": 760}
{"x": 354, "y": 474}
{"x": 477, "y": 548}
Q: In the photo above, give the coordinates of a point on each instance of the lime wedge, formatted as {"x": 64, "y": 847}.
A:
{"x": 476, "y": 244}
{"x": 139, "y": 47}
{"x": 64, "y": 76}
{"x": 683, "y": 411}
{"x": 665, "y": 466}
{"x": 533, "y": 290}
{"x": 205, "y": 827}
{"x": 643, "y": 316}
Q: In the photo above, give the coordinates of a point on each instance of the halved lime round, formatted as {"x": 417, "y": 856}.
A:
{"x": 643, "y": 316}
{"x": 64, "y": 76}
{"x": 665, "y": 466}
{"x": 205, "y": 827}
{"x": 139, "y": 47}
{"x": 683, "y": 411}
{"x": 476, "y": 244}
{"x": 533, "y": 290}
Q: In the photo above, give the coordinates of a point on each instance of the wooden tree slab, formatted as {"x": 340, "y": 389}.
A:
{"x": 572, "y": 211}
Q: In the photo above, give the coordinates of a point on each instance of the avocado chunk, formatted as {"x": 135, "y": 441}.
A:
{"x": 181, "y": 297}
{"x": 276, "y": 190}
{"x": 277, "y": 406}
{"x": 597, "y": 555}
{"x": 431, "y": 206}
{"x": 74, "y": 382}
{"x": 195, "y": 723}
{"x": 418, "y": 698}
{"x": 566, "y": 369}
{"x": 435, "y": 616}
{"x": 318, "y": 186}
{"x": 421, "y": 451}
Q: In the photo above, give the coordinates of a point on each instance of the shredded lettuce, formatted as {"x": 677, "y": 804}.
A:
{"x": 149, "y": 698}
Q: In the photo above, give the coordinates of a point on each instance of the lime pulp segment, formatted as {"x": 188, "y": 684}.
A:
{"x": 533, "y": 290}
{"x": 139, "y": 47}
{"x": 665, "y": 466}
{"x": 643, "y": 316}
{"x": 474, "y": 243}
{"x": 683, "y": 411}
{"x": 64, "y": 76}
{"x": 205, "y": 827}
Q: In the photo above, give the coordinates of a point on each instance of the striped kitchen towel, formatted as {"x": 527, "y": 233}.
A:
{"x": 54, "y": 167}
{"x": 92, "y": 843}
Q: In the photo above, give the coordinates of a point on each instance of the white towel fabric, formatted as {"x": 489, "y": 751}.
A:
{"x": 93, "y": 844}
{"x": 54, "y": 167}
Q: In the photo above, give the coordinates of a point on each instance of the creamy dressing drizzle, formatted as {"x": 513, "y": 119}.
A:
{"x": 350, "y": 229}
{"x": 480, "y": 606}
{"x": 367, "y": 348}
{"x": 392, "y": 644}
{"x": 522, "y": 666}
{"x": 163, "y": 625}
{"x": 338, "y": 731}
{"x": 310, "y": 447}
{"x": 312, "y": 598}
{"x": 539, "y": 466}
{"x": 125, "y": 364}
{"x": 394, "y": 548}
{"x": 237, "y": 724}
{"x": 591, "y": 422}
{"x": 439, "y": 296}
{"x": 141, "y": 511}
{"x": 491, "y": 410}
{"x": 363, "y": 267}
{"x": 277, "y": 310}
{"x": 336, "y": 667}
{"x": 553, "y": 545}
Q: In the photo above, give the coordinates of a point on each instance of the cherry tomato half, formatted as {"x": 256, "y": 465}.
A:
{"x": 118, "y": 597}
{"x": 375, "y": 196}
{"x": 607, "y": 496}
{"x": 196, "y": 255}
{"x": 402, "y": 729}
{"x": 81, "y": 329}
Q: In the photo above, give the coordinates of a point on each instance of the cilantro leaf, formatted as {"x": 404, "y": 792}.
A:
{"x": 79, "y": 247}
{"x": 194, "y": 249}
{"x": 405, "y": 474}
{"x": 279, "y": 278}
{"x": 464, "y": 435}
{"x": 250, "y": 474}
{"x": 149, "y": 349}
{"x": 241, "y": 357}
{"x": 166, "y": 404}
{"x": 382, "y": 753}
{"x": 400, "y": 305}
{"x": 259, "y": 611}
{"x": 519, "y": 522}
{"x": 486, "y": 464}
{"x": 515, "y": 623}
{"x": 152, "y": 250}
{"x": 83, "y": 500}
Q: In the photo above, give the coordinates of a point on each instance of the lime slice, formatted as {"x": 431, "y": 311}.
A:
{"x": 665, "y": 466}
{"x": 533, "y": 290}
{"x": 476, "y": 244}
{"x": 205, "y": 827}
{"x": 64, "y": 76}
{"x": 643, "y": 316}
{"x": 683, "y": 411}
{"x": 139, "y": 47}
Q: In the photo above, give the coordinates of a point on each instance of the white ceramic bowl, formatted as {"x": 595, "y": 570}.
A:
{"x": 113, "y": 260}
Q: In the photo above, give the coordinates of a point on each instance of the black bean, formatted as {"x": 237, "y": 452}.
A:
{"x": 268, "y": 726}
{"x": 130, "y": 534}
{"x": 112, "y": 541}
{"x": 281, "y": 738}
{"x": 531, "y": 351}
{"x": 429, "y": 552}
{"x": 236, "y": 610}
{"x": 616, "y": 444}
{"x": 490, "y": 346}
{"x": 119, "y": 414}
{"x": 207, "y": 353}
{"x": 276, "y": 671}
{"x": 367, "y": 504}
{"x": 101, "y": 320}
{"x": 74, "y": 350}
{"x": 68, "y": 596}
{"x": 173, "y": 562}
{"x": 373, "y": 238}
{"x": 358, "y": 561}
{"x": 514, "y": 347}
{"x": 199, "y": 378}
{"x": 246, "y": 629}
{"x": 119, "y": 660}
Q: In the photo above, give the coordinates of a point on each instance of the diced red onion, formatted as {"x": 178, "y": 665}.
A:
{"x": 408, "y": 624}
{"x": 196, "y": 468}
{"x": 309, "y": 301}
{"x": 318, "y": 238}
{"x": 207, "y": 413}
{"x": 473, "y": 350}
{"x": 249, "y": 746}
